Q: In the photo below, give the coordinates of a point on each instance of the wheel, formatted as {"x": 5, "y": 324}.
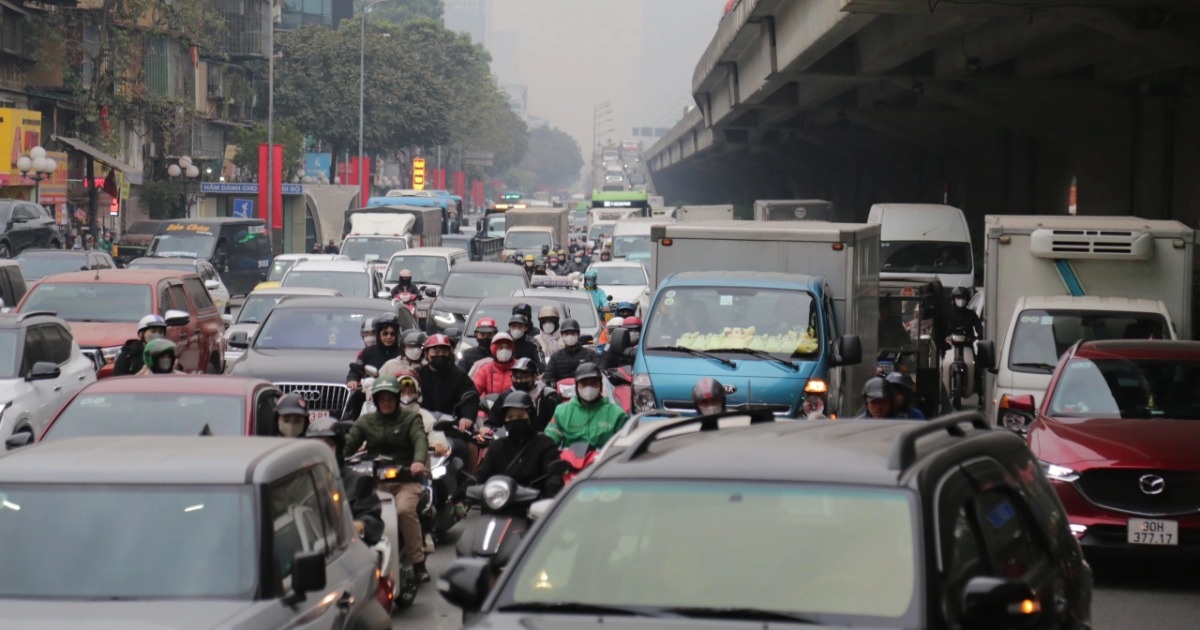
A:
{"x": 5, "y": 250}
{"x": 55, "y": 245}
{"x": 956, "y": 390}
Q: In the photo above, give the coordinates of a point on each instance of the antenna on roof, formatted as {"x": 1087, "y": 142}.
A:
{"x": 206, "y": 431}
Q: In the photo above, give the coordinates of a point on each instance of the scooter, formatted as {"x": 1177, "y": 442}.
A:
{"x": 504, "y": 510}
{"x": 621, "y": 380}
{"x": 408, "y": 300}
{"x": 578, "y": 456}
{"x": 958, "y": 368}
{"x": 397, "y": 583}
{"x": 360, "y": 398}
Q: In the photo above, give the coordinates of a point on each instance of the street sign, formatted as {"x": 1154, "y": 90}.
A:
{"x": 418, "y": 173}
{"x": 479, "y": 158}
{"x": 243, "y": 208}
{"x": 246, "y": 189}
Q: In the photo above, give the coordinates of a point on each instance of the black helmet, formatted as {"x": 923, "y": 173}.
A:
{"x": 523, "y": 309}
{"x": 877, "y": 388}
{"x": 900, "y": 380}
{"x": 961, "y": 292}
{"x": 518, "y": 400}
{"x": 291, "y": 404}
{"x": 524, "y": 364}
{"x": 323, "y": 427}
{"x": 709, "y": 391}
{"x": 386, "y": 321}
{"x": 518, "y": 318}
{"x": 414, "y": 337}
{"x": 569, "y": 325}
{"x": 587, "y": 370}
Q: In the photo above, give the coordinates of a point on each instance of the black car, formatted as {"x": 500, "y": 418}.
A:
{"x": 25, "y": 225}
{"x": 39, "y": 263}
{"x": 465, "y": 286}
{"x": 875, "y": 523}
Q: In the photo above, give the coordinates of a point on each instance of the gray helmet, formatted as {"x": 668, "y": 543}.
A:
{"x": 413, "y": 337}
{"x": 368, "y": 325}
{"x": 587, "y": 370}
{"x": 569, "y": 325}
{"x": 877, "y": 388}
{"x": 518, "y": 400}
{"x": 901, "y": 380}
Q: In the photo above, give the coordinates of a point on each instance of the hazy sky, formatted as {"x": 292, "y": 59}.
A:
{"x": 574, "y": 54}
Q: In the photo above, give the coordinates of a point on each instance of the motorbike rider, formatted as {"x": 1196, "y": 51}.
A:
{"x": 606, "y": 334}
{"x": 368, "y": 334}
{"x": 291, "y": 416}
{"x": 555, "y": 267}
{"x": 576, "y": 265}
{"x": 963, "y": 319}
{"x": 386, "y": 348}
{"x": 626, "y": 356}
{"x": 525, "y": 380}
{"x": 605, "y": 255}
{"x": 405, "y": 285}
{"x": 530, "y": 263}
{"x": 399, "y": 434}
{"x": 599, "y": 298}
{"x": 448, "y": 390}
{"x": 902, "y": 389}
{"x": 160, "y": 357}
{"x": 495, "y": 376}
{"x": 518, "y": 329}
{"x": 485, "y": 329}
{"x": 548, "y": 340}
{"x": 412, "y": 344}
{"x": 625, "y": 310}
{"x": 410, "y": 400}
{"x": 365, "y": 507}
{"x": 562, "y": 364}
{"x": 525, "y": 455}
{"x": 540, "y": 270}
{"x": 129, "y": 359}
{"x": 880, "y": 401}
{"x": 588, "y": 417}
{"x": 708, "y": 396}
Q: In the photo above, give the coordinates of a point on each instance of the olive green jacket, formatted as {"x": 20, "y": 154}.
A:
{"x": 400, "y": 436}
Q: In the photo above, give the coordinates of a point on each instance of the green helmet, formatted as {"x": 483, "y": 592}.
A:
{"x": 155, "y": 349}
{"x": 385, "y": 384}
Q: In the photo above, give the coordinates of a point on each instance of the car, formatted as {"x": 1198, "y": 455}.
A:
{"x": 623, "y": 281}
{"x": 353, "y": 278}
{"x": 458, "y": 241}
{"x": 579, "y": 307}
{"x": 225, "y": 532}
{"x": 134, "y": 241}
{"x": 256, "y": 306}
{"x": 168, "y": 404}
{"x": 945, "y": 524}
{"x": 37, "y": 263}
{"x": 468, "y": 283}
{"x": 12, "y": 285}
{"x": 212, "y": 280}
{"x": 1117, "y": 434}
{"x": 306, "y": 345}
{"x": 429, "y": 266}
{"x": 26, "y": 225}
{"x": 283, "y": 262}
{"x": 104, "y": 306}
{"x": 41, "y": 367}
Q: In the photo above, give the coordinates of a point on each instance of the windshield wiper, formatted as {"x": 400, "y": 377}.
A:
{"x": 1038, "y": 366}
{"x": 585, "y": 609}
{"x": 696, "y": 353}
{"x": 756, "y": 614}
{"x": 764, "y": 355}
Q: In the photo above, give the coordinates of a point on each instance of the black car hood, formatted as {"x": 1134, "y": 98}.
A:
{"x": 458, "y": 306}
{"x": 295, "y": 366}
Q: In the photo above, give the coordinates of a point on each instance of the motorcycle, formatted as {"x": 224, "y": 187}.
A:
{"x": 397, "y": 583}
{"x": 504, "y": 517}
{"x": 958, "y": 368}
{"x": 359, "y": 402}
{"x": 578, "y": 456}
{"x": 408, "y": 300}
{"x": 438, "y": 514}
{"x": 621, "y": 380}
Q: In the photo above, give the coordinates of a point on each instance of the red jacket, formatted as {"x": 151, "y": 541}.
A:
{"x": 493, "y": 377}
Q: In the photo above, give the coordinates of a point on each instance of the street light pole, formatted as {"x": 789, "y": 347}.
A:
{"x": 270, "y": 124}
{"x": 362, "y": 87}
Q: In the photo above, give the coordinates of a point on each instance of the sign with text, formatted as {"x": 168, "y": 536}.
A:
{"x": 245, "y": 189}
{"x": 418, "y": 173}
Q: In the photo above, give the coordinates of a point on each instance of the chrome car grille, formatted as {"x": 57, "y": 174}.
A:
{"x": 1122, "y": 490}
{"x": 319, "y": 396}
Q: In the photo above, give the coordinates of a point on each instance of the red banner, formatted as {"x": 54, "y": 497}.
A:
{"x": 270, "y": 184}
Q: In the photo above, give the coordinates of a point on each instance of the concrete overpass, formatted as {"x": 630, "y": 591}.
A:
{"x": 992, "y": 105}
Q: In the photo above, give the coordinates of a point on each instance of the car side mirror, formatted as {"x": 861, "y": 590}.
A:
{"x": 212, "y": 285}
{"x": 17, "y": 440}
{"x": 227, "y": 319}
{"x": 538, "y": 509}
{"x": 990, "y": 602}
{"x": 177, "y": 318}
{"x": 849, "y": 350}
{"x": 465, "y": 583}
{"x": 239, "y": 339}
{"x": 454, "y": 333}
{"x": 42, "y": 371}
{"x": 430, "y": 292}
{"x": 308, "y": 574}
{"x": 384, "y": 295}
{"x": 985, "y": 355}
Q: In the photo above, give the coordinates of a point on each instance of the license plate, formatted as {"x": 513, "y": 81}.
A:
{"x": 317, "y": 415}
{"x": 1153, "y": 532}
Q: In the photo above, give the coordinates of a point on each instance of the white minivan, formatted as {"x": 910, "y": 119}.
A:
{"x": 924, "y": 240}
{"x": 631, "y": 238}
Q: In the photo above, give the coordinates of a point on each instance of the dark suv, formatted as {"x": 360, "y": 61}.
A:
{"x": 25, "y": 225}
{"x": 886, "y": 524}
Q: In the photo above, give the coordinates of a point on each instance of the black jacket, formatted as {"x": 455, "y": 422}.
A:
{"x": 967, "y": 320}
{"x": 524, "y": 462}
{"x": 524, "y": 348}
{"x": 471, "y": 356}
{"x": 563, "y": 363}
{"x": 375, "y": 356}
{"x": 441, "y": 391}
{"x": 129, "y": 360}
{"x": 545, "y": 400}
{"x": 612, "y": 359}
{"x": 365, "y": 505}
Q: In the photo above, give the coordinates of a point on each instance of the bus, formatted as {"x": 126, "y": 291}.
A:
{"x": 624, "y": 199}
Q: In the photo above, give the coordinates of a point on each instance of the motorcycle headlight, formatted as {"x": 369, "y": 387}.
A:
{"x": 496, "y": 493}
{"x": 110, "y": 353}
{"x": 442, "y": 317}
{"x": 1059, "y": 473}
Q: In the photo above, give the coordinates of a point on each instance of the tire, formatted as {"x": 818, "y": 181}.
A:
{"x": 956, "y": 390}
{"x": 5, "y": 250}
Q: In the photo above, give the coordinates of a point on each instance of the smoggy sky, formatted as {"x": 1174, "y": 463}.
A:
{"x": 573, "y": 54}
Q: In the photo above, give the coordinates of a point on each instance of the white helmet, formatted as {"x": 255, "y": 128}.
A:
{"x": 151, "y": 321}
{"x": 615, "y": 322}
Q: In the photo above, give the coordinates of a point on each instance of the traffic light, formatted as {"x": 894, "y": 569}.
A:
{"x": 418, "y": 174}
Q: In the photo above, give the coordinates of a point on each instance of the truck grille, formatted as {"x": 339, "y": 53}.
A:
{"x": 1122, "y": 490}
{"x": 1107, "y": 244}
{"x": 319, "y": 396}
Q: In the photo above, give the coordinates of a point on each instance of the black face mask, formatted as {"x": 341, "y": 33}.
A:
{"x": 519, "y": 429}
{"x": 523, "y": 386}
{"x": 440, "y": 362}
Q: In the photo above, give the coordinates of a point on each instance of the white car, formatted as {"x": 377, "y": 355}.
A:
{"x": 212, "y": 280}
{"x": 625, "y": 281}
{"x": 41, "y": 368}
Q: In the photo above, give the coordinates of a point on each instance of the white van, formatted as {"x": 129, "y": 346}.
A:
{"x": 924, "y": 241}
{"x": 631, "y": 239}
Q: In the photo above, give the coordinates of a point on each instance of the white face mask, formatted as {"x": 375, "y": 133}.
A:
{"x": 570, "y": 340}
{"x": 578, "y": 259}
{"x": 504, "y": 355}
{"x": 407, "y": 400}
{"x": 549, "y": 327}
{"x": 960, "y": 303}
{"x": 589, "y": 393}
{"x": 368, "y": 340}
{"x": 516, "y": 333}
{"x": 166, "y": 363}
{"x": 291, "y": 429}
{"x": 413, "y": 354}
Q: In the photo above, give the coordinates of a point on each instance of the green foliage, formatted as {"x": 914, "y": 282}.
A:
{"x": 554, "y": 159}
{"x": 162, "y": 200}
{"x": 247, "y": 141}
{"x": 401, "y": 11}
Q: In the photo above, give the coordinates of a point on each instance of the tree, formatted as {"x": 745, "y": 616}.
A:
{"x": 247, "y": 141}
{"x": 554, "y": 159}
{"x": 401, "y": 11}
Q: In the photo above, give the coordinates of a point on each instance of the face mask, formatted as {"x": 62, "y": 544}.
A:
{"x": 413, "y": 354}
{"x": 570, "y": 340}
{"x": 709, "y": 410}
{"x": 516, "y": 333}
{"x": 522, "y": 386}
{"x": 504, "y": 355}
{"x": 529, "y": 265}
{"x": 154, "y": 334}
{"x": 960, "y": 303}
{"x": 440, "y": 363}
{"x": 520, "y": 429}
{"x": 290, "y": 429}
{"x": 578, "y": 260}
{"x": 549, "y": 327}
{"x": 166, "y": 363}
{"x": 589, "y": 393}
{"x": 368, "y": 340}
{"x": 407, "y": 400}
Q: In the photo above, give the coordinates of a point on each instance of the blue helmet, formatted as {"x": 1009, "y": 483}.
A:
{"x": 625, "y": 306}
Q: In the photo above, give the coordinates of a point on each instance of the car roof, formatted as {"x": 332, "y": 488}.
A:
{"x": 117, "y": 276}
{"x": 201, "y": 384}
{"x": 507, "y": 269}
{"x": 311, "y": 257}
{"x": 161, "y": 460}
{"x": 297, "y": 291}
{"x": 437, "y": 252}
{"x": 168, "y": 260}
{"x": 345, "y": 303}
{"x": 547, "y": 293}
{"x": 9, "y": 321}
{"x": 615, "y": 263}
{"x": 1164, "y": 349}
{"x": 330, "y": 265}
{"x": 761, "y": 279}
{"x": 1091, "y": 303}
{"x": 43, "y": 251}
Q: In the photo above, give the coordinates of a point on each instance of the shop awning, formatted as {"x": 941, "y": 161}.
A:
{"x": 133, "y": 175}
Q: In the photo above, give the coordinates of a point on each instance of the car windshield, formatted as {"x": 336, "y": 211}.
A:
{"x": 91, "y": 301}
{"x": 313, "y": 329}
{"x": 425, "y": 269}
{"x": 183, "y": 244}
{"x": 496, "y": 226}
{"x": 137, "y": 542}
{"x": 600, "y": 231}
{"x": 481, "y": 285}
{"x": 278, "y": 268}
{"x": 1042, "y": 336}
{"x": 36, "y": 267}
{"x": 1128, "y": 388}
{"x": 627, "y": 276}
{"x": 781, "y": 322}
{"x": 256, "y": 307}
{"x": 627, "y": 543}
{"x": 925, "y": 257}
{"x": 624, "y": 246}
{"x": 527, "y": 240}
{"x": 360, "y": 248}
{"x": 150, "y": 413}
{"x": 351, "y": 283}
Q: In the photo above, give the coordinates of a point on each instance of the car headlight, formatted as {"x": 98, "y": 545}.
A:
{"x": 110, "y": 353}
{"x": 643, "y": 393}
{"x": 496, "y": 493}
{"x": 442, "y": 317}
{"x": 1059, "y": 473}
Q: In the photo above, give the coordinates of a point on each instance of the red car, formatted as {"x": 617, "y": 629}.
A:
{"x": 168, "y": 404}
{"x": 1118, "y": 434}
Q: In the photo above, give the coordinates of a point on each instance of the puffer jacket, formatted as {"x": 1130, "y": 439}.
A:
{"x": 493, "y": 377}
{"x": 564, "y": 362}
{"x": 594, "y": 423}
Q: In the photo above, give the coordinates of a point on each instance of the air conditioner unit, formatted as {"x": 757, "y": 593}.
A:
{"x": 1092, "y": 244}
